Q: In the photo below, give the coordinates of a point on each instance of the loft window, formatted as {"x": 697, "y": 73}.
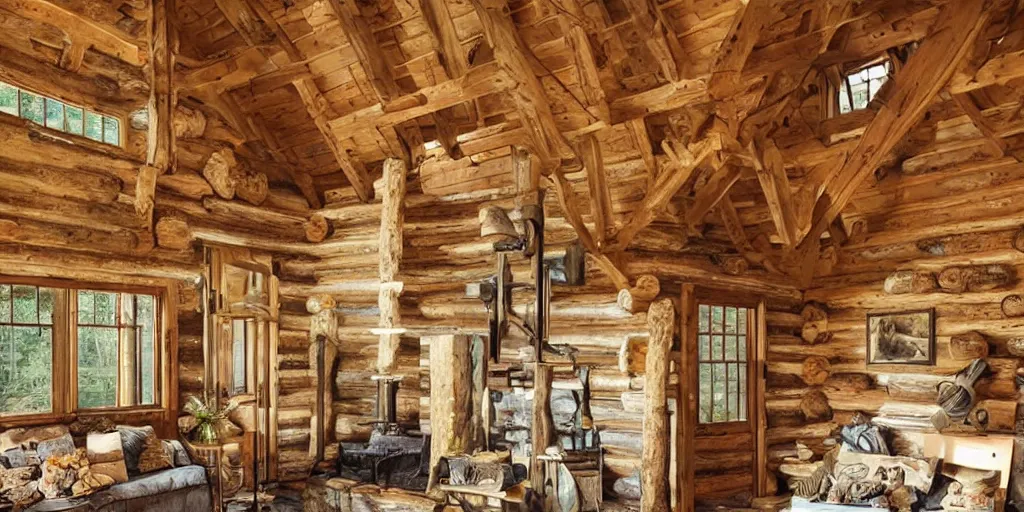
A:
{"x": 58, "y": 115}
{"x": 68, "y": 349}
{"x": 722, "y": 344}
{"x": 859, "y": 87}
{"x": 115, "y": 349}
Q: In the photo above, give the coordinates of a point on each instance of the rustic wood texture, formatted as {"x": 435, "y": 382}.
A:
{"x": 661, "y": 321}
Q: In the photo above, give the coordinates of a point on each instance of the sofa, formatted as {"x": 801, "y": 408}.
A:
{"x": 106, "y": 468}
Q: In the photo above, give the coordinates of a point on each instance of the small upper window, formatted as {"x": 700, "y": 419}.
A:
{"x": 860, "y": 86}
{"x": 60, "y": 116}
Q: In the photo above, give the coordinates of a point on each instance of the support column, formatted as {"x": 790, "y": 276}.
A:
{"x": 392, "y": 219}
{"x": 323, "y": 349}
{"x": 654, "y": 466}
{"x": 543, "y": 427}
{"x": 686, "y": 401}
{"x": 451, "y": 383}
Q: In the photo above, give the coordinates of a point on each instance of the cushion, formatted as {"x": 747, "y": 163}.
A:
{"x": 971, "y": 490}
{"x": 106, "y": 456}
{"x": 57, "y": 447}
{"x": 19, "y": 486}
{"x": 862, "y": 478}
{"x": 143, "y": 451}
{"x": 29, "y": 438}
{"x": 177, "y": 453}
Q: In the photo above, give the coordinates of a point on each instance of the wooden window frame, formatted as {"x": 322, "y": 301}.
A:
{"x": 85, "y": 111}
{"x": 750, "y": 401}
{"x": 64, "y": 353}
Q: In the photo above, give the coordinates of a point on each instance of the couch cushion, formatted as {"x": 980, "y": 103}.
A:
{"x": 150, "y": 484}
{"x": 143, "y": 451}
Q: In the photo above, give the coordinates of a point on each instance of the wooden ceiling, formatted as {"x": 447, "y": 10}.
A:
{"x": 680, "y": 120}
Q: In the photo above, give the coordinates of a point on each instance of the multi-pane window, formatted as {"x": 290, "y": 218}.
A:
{"x": 65, "y": 349}
{"x": 722, "y": 347}
{"x": 58, "y": 115}
{"x": 26, "y": 348}
{"x": 858, "y": 88}
{"x": 115, "y": 349}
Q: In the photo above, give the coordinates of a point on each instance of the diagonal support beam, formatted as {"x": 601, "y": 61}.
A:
{"x": 739, "y": 42}
{"x": 709, "y": 196}
{"x": 600, "y": 196}
{"x": 686, "y": 160}
{"x": 321, "y": 111}
{"x": 901, "y": 107}
{"x": 661, "y": 40}
{"x": 372, "y": 60}
{"x": 771, "y": 174}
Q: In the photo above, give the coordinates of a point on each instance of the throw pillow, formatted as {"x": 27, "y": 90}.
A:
{"x": 57, "y": 447}
{"x": 19, "y": 486}
{"x": 29, "y": 438}
{"x": 972, "y": 490}
{"x": 106, "y": 456}
{"x": 59, "y": 475}
{"x": 143, "y": 452}
{"x": 177, "y": 453}
{"x": 88, "y": 481}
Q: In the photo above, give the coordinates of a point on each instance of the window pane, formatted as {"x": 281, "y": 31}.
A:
{"x": 742, "y": 320}
{"x": 741, "y": 348}
{"x": 705, "y": 393}
{"x": 54, "y": 114}
{"x": 844, "y": 99}
{"x": 730, "y": 320}
{"x": 734, "y": 391}
{"x": 85, "y": 307}
{"x": 94, "y": 126}
{"x": 5, "y": 303}
{"x": 105, "y": 305}
{"x": 25, "y": 305}
{"x": 26, "y": 374}
{"x": 75, "y": 123}
{"x": 147, "y": 319}
{"x": 716, "y": 347}
{"x": 8, "y": 99}
{"x": 702, "y": 315}
{"x": 743, "y": 392}
{"x": 720, "y": 411}
{"x": 730, "y": 347}
{"x": 97, "y": 367}
{"x": 46, "y": 300}
{"x": 716, "y": 318}
{"x": 111, "y": 133}
{"x": 32, "y": 107}
{"x": 704, "y": 347}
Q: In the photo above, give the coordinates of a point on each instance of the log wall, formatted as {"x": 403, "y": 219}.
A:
{"x": 953, "y": 250}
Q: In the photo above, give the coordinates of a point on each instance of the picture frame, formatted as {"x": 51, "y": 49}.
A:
{"x": 901, "y": 337}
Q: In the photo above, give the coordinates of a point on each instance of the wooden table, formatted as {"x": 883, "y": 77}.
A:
{"x": 212, "y": 457}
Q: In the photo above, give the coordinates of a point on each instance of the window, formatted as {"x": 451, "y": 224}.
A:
{"x": 722, "y": 344}
{"x": 26, "y": 349}
{"x": 858, "y": 88}
{"x": 100, "y": 344}
{"x": 60, "y": 116}
{"x": 115, "y": 349}
{"x": 242, "y": 334}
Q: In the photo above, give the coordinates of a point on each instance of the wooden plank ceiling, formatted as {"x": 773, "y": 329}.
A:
{"x": 690, "y": 119}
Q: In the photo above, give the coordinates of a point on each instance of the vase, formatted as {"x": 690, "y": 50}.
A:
{"x": 207, "y": 433}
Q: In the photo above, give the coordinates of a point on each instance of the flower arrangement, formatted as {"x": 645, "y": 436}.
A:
{"x": 208, "y": 419}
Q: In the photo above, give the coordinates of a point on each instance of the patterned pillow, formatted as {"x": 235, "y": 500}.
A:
{"x": 19, "y": 486}
{"x": 143, "y": 452}
{"x": 58, "y": 447}
{"x": 106, "y": 456}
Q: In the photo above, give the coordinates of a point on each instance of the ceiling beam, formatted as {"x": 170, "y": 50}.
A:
{"x": 363, "y": 42}
{"x": 589, "y": 151}
{"x": 771, "y": 174}
{"x": 80, "y": 28}
{"x": 320, "y": 111}
{"x": 968, "y": 105}
{"x": 454, "y": 60}
{"x": 528, "y": 93}
{"x": 901, "y": 106}
{"x": 735, "y": 49}
{"x": 686, "y": 161}
{"x": 660, "y": 39}
{"x": 709, "y": 195}
{"x": 587, "y": 73}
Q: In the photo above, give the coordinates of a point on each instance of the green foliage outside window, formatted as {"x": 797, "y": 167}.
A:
{"x": 60, "y": 116}
{"x": 26, "y": 343}
{"x": 722, "y": 363}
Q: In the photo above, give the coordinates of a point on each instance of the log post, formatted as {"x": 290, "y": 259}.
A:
{"x": 543, "y": 428}
{"x": 317, "y": 228}
{"x": 322, "y": 353}
{"x": 639, "y": 297}
{"x": 686, "y": 401}
{"x": 145, "y": 193}
{"x": 390, "y": 257}
{"x": 173, "y": 233}
{"x": 450, "y": 385}
{"x": 654, "y": 465}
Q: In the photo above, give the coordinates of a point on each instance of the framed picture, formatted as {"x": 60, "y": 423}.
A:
{"x": 906, "y": 337}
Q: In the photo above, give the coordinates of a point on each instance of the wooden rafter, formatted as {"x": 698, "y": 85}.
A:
{"x": 600, "y": 195}
{"x": 528, "y": 94}
{"x": 372, "y": 60}
{"x": 686, "y": 161}
{"x": 661, "y": 40}
{"x": 87, "y": 33}
{"x": 901, "y": 106}
{"x": 968, "y": 105}
{"x": 997, "y": 70}
{"x": 572, "y": 214}
{"x": 739, "y": 42}
{"x": 771, "y": 174}
{"x": 709, "y": 196}
{"x": 321, "y": 111}
{"x": 455, "y": 62}
{"x": 588, "y": 75}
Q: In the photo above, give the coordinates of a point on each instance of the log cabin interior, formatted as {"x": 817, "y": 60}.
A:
{"x": 519, "y": 255}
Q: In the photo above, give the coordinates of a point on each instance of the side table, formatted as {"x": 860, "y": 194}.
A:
{"x": 214, "y": 457}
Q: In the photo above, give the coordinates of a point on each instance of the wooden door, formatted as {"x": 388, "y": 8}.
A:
{"x": 725, "y": 416}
